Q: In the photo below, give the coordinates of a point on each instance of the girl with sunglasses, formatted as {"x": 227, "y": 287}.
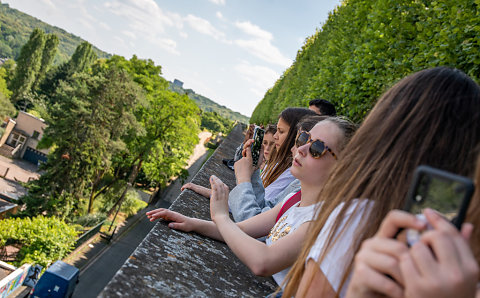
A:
{"x": 313, "y": 159}
{"x": 432, "y": 118}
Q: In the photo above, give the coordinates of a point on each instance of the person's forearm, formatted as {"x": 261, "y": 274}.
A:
{"x": 250, "y": 251}
{"x": 206, "y": 228}
{"x": 206, "y": 192}
{"x": 243, "y": 178}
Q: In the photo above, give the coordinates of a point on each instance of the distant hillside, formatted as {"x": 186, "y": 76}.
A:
{"x": 208, "y": 105}
{"x": 16, "y": 27}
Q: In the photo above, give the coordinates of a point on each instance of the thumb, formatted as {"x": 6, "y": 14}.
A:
{"x": 248, "y": 152}
{"x": 466, "y": 231}
{"x": 177, "y": 226}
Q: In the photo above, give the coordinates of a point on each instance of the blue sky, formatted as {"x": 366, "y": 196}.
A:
{"x": 231, "y": 51}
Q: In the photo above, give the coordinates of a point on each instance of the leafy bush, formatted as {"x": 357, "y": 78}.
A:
{"x": 132, "y": 203}
{"x": 215, "y": 123}
{"x": 43, "y": 240}
{"x": 90, "y": 220}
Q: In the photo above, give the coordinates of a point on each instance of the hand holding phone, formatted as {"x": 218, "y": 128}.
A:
{"x": 447, "y": 193}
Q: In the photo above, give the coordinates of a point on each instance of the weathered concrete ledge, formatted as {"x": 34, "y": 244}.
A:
{"x": 171, "y": 263}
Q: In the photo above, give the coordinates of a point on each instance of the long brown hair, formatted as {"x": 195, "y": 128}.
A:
{"x": 430, "y": 117}
{"x": 281, "y": 159}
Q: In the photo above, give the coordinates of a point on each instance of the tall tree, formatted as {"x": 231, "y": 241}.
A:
{"x": 28, "y": 65}
{"x": 92, "y": 112}
{"x": 48, "y": 54}
{"x": 6, "y": 107}
{"x": 168, "y": 119}
{"x": 81, "y": 60}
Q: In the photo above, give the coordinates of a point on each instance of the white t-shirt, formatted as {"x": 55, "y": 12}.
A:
{"x": 291, "y": 220}
{"x": 340, "y": 254}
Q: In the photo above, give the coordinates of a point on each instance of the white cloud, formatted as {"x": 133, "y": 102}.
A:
{"x": 86, "y": 23}
{"x": 219, "y": 15}
{"x": 260, "y": 77}
{"x": 260, "y": 45}
{"x": 204, "y": 26}
{"x": 264, "y": 50}
{"x": 104, "y": 26}
{"x": 146, "y": 19}
{"x": 129, "y": 34}
{"x": 48, "y": 3}
{"x": 119, "y": 40}
{"x": 168, "y": 45}
{"x": 254, "y": 30}
{"x": 144, "y": 15}
{"x": 218, "y": 2}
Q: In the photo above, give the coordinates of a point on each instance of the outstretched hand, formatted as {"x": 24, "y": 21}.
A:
{"x": 219, "y": 198}
{"x": 178, "y": 221}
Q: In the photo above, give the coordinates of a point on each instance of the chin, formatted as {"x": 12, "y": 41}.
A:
{"x": 294, "y": 172}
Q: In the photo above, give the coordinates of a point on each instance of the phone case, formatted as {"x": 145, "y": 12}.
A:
{"x": 466, "y": 183}
{"x": 257, "y": 144}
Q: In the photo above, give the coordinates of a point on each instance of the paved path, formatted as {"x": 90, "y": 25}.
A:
{"x": 110, "y": 257}
{"x": 19, "y": 169}
{"x": 194, "y": 164}
{"x": 16, "y": 170}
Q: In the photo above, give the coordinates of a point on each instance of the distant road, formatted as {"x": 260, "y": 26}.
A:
{"x": 194, "y": 164}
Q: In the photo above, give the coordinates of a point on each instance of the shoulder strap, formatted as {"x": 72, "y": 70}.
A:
{"x": 289, "y": 203}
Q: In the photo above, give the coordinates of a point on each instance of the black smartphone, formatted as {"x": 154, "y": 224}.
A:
{"x": 258, "y": 134}
{"x": 447, "y": 193}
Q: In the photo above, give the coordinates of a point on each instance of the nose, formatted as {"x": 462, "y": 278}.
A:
{"x": 275, "y": 136}
{"x": 303, "y": 150}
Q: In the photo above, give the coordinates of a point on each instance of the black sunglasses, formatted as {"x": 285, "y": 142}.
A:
{"x": 317, "y": 148}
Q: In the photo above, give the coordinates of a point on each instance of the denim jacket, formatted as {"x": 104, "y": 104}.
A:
{"x": 248, "y": 199}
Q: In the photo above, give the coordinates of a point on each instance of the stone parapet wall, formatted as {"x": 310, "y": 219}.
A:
{"x": 171, "y": 263}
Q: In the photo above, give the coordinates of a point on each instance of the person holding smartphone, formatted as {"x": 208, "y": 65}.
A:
{"x": 443, "y": 263}
{"x": 268, "y": 144}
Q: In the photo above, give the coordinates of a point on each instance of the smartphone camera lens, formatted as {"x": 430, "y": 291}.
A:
{"x": 418, "y": 198}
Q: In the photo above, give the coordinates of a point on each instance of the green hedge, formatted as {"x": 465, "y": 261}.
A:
{"x": 365, "y": 46}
